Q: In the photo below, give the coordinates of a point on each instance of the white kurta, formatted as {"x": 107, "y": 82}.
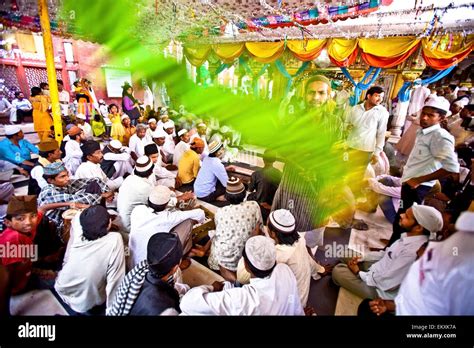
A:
{"x": 169, "y": 146}
{"x": 92, "y": 270}
{"x": 133, "y": 192}
{"x": 179, "y": 150}
{"x": 145, "y": 223}
{"x": 89, "y": 170}
{"x": 274, "y": 295}
{"x": 163, "y": 176}
{"x": 303, "y": 266}
{"x": 123, "y": 163}
{"x": 137, "y": 144}
{"x": 441, "y": 281}
{"x": 73, "y": 158}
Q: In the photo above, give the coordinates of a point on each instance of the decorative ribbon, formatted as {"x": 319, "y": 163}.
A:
{"x": 281, "y": 68}
{"x": 249, "y": 72}
{"x": 361, "y": 86}
{"x": 404, "y": 93}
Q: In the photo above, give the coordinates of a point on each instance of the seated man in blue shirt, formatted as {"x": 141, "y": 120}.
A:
{"x": 17, "y": 150}
{"x": 211, "y": 180}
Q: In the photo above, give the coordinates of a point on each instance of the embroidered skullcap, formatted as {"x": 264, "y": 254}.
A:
{"x": 260, "y": 252}
{"x": 143, "y": 164}
{"x": 283, "y": 220}
{"x": 54, "y": 168}
{"x": 234, "y": 186}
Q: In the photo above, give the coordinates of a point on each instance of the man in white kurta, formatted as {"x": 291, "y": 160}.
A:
{"x": 441, "y": 281}
{"x": 366, "y": 124}
{"x": 73, "y": 158}
{"x": 92, "y": 268}
{"x": 182, "y": 146}
{"x": 91, "y": 168}
{"x": 120, "y": 157}
{"x": 383, "y": 278}
{"x": 161, "y": 175}
{"x": 134, "y": 190}
{"x": 146, "y": 221}
{"x": 169, "y": 145}
{"x": 272, "y": 292}
{"x": 138, "y": 141}
{"x": 86, "y": 127}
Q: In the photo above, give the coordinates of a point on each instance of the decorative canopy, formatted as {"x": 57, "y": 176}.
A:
{"x": 439, "y": 52}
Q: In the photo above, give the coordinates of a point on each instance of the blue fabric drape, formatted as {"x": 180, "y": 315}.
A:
{"x": 254, "y": 77}
{"x": 281, "y": 68}
{"x": 404, "y": 93}
{"x": 361, "y": 86}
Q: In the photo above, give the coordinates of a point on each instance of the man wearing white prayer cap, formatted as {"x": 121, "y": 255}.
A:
{"x": 157, "y": 216}
{"x": 383, "y": 278}
{"x": 169, "y": 145}
{"x": 117, "y": 161}
{"x": 182, "y": 146}
{"x": 441, "y": 281}
{"x": 135, "y": 190}
{"x": 432, "y": 158}
{"x": 17, "y": 150}
{"x": 290, "y": 250}
{"x": 152, "y": 126}
{"x": 272, "y": 289}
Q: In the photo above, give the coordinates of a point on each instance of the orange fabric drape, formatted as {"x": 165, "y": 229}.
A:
{"x": 346, "y": 62}
{"x": 386, "y": 62}
{"x": 441, "y": 64}
{"x": 306, "y": 50}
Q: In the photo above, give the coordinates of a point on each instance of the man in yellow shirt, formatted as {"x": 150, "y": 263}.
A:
{"x": 189, "y": 164}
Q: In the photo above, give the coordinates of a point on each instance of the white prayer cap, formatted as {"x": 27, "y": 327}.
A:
{"x": 464, "y": 88}
{"x": 151, "y": 120}
{"x": 437, "y": 102}
{"x": 472, "y": 89}
{"x": 168, "y": 124}
{"x": 124, "y": 116}
{"x": 283, "y": 220}
{"x": 159, "y": 133}
{"x": 81, "y": 116}
{"x": 202, "y": 124}
{"x": 428, "y": 217}
{"x": 260, "y": 252}
{"x": 101, "y": 101}
{"x": 182, "y": 132}
{"x": 465, "y": 222}
{"x": 225, "y": 129}
{"x": 115, "y": 144}
{"x": 143, "y": 163}
{"x": 11, "y": 130}
{"x": 214, "y": 146}
{"x": 160, "y": 195}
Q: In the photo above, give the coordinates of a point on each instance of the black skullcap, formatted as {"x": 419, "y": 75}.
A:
{"x": 89, "y": 147}
{"x": 164, "y": 251}
{"x": 94, "y": 221}
{"x": 151, "y": 149}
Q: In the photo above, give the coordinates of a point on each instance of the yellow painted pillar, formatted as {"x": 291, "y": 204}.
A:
{"x": 51, "y": 69}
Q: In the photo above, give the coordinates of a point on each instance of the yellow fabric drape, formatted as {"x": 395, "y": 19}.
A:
{"x": 228, "y": 52}
{"x": 341, "y": 49}
{"x": 389, "y": 46}
{"x": 197, "y": 55}
{"x": 265, "y": 52}
{"x": 306, "y": 50}
{"x": 456, "y": 49}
